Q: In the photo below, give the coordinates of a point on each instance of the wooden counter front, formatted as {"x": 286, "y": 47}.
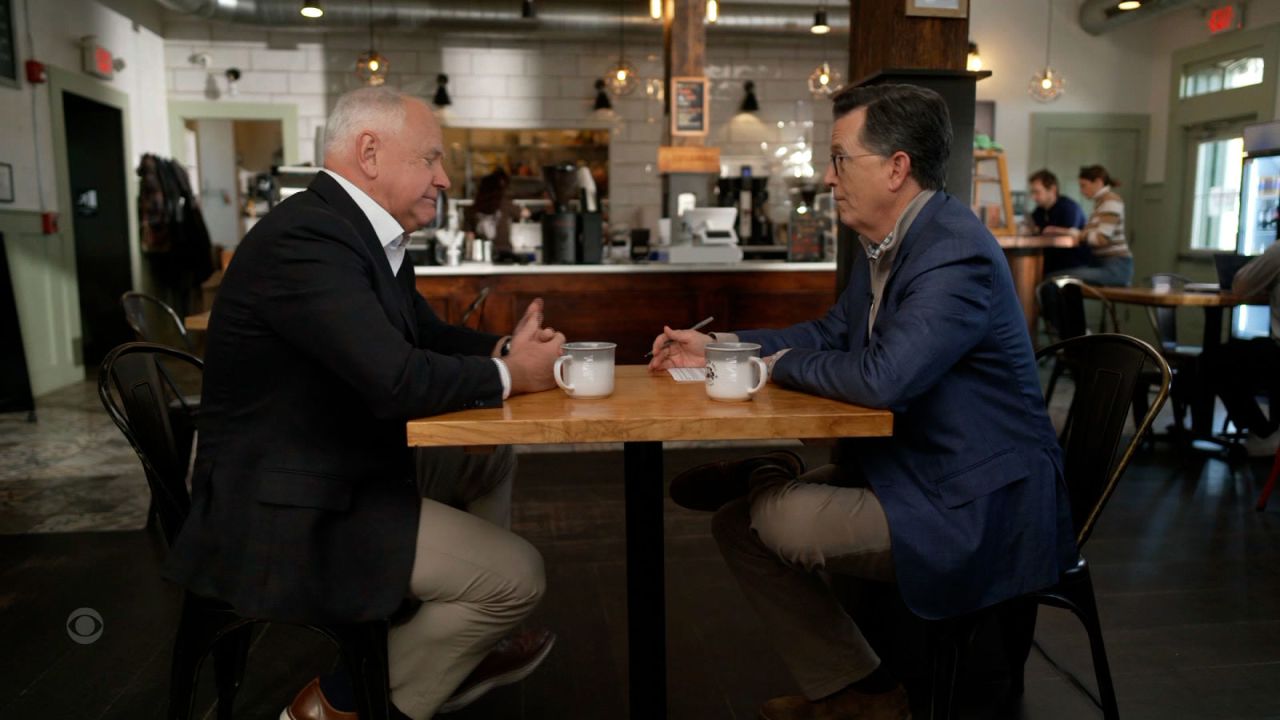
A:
{"x": 631, "y": 308}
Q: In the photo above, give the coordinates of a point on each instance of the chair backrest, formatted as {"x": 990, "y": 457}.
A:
{"x": 154, "y": 321}
{"x": 1106, "y": 369}
{"x": 1061, "y": 302}
{"x": 147, "y": 388}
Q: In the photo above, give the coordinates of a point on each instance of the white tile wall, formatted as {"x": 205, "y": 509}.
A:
{"x": 510, "y": 83}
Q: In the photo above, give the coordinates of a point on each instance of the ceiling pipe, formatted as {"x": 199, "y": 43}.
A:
{"x": 1100, "y": 16}
{"x": 490, "y": 16}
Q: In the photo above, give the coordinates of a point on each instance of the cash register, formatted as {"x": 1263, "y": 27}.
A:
{"x": 707, "y": 235}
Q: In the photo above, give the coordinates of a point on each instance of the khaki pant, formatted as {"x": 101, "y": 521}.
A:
{"x": 781, "y": 542}
{"x": 476, "y": 579}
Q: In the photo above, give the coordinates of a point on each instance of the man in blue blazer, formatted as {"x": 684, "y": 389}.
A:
{"x": 964, "y": 506}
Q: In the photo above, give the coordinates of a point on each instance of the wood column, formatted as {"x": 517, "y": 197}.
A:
{"x": 685, "y": 46}
{"x": 883, "y": 37}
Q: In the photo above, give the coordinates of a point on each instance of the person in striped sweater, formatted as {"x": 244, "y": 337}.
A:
{"x": 1104, "y": 233}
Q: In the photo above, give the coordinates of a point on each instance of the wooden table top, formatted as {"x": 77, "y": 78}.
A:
{"x": 650, "y": 407}
{"x": 197, "y": 322}
{"x": 1168, "y": 298}
{"x": 1035, "y": 242}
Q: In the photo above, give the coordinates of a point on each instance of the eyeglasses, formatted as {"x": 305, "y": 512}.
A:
{"x": 838, "y": 158}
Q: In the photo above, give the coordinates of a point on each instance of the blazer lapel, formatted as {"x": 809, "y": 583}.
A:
{"x": 386, "y": 285}
{"x": 859, "y": 299}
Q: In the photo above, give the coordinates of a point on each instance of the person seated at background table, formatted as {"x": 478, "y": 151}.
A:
{"x": 307, "y": 504}
{"x": 964, "y": 506}
{"x": 1241, "y": 369}
{"x": 1057, "y": 214}
{"x": 1112, "y": 263}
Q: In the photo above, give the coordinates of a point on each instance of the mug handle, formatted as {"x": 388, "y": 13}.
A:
{"x": 764, "y": 375}
{"x": 555, "y": 373}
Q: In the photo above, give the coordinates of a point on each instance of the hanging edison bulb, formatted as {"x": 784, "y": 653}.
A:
{"x": 825, "y": 81}
{"x": 621, "y": 78}
{"x": 372, "y": 68}
{"x": 1046, "y": 85}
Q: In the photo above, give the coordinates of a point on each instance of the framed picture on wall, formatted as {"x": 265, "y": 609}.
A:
{"x": 690, "y": 106}
{"x": 938, "y": 8}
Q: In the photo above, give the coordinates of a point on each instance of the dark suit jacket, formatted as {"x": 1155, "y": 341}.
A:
{"x": 971, "y": 480}
{"x": 304, "y": 505}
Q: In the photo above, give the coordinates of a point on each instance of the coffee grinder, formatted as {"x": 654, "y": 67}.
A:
{"x": 560, "y": 227}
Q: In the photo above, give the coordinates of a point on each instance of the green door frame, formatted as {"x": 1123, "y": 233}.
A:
{"x": 67, "y": 81}
{"x": 182, "y": 110}
{"x": 1255, "y": 103}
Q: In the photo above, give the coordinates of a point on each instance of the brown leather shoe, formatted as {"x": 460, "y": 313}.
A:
{"x": 848, "y": 704}
{"x": 311, "y": 704}
{"x": 709, "y": 486}
{"x": 513, "y": 659}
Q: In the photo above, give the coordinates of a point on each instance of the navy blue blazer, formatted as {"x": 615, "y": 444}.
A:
{"x": 971, "y": 480}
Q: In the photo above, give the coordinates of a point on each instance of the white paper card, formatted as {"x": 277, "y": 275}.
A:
{"x": 688, "y": 374}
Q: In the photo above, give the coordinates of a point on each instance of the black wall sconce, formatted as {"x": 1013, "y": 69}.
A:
{"x": 602, "y": 97}
{"x": 442, "y": 98}
{"x": 749, "y": 103}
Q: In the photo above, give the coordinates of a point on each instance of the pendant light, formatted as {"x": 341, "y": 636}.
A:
{"x": 820, "y": 25}
{"x": 311, "y": 9}
{"x": 655, "y": 9}
{"x": 372, "y": 67}
{"x": 621, "y": 78}
{"x": 1047, "y": 85}
{"x": 713, "y": 12}
{"x": 825, "y": 81}
{"x": 973, "y": 63}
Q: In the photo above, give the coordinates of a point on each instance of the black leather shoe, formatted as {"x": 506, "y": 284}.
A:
{"x": 709, "y": 486}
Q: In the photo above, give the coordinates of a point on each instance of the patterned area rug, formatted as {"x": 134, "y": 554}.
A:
{"x": 70, "y": 470}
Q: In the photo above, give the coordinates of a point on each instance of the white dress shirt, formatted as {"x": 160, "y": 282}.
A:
{"x": 393, "y": 239}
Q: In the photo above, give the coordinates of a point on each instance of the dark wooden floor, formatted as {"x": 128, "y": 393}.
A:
{"x": 1188, "y": 578}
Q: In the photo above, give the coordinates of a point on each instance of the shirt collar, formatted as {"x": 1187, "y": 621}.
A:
{"x": 1101, "y": 191}
{"x": 903, "y": 224}
{"x": 386, "y": 228}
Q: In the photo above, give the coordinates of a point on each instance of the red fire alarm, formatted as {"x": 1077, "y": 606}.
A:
{"x": 49, "y": 223}
{"x": 35, "y": 72}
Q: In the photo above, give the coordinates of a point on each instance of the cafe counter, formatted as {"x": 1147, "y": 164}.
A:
{"x": 628, "y": 304}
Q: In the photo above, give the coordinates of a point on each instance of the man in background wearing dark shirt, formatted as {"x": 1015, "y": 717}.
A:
{"x": 1054, "y": 214}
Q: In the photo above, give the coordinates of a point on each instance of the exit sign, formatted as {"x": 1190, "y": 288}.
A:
{"x": 96, "y": 60}
{"x": 1225, "y": 18}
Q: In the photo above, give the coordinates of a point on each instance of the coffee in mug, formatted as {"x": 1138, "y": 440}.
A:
{"x": 585, "y": 370}
{"x": 731, "y": 371}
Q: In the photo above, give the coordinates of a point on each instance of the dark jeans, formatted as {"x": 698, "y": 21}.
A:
{"x": 1238, "y": 372}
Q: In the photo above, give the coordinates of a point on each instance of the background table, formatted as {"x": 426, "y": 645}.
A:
{"x": 645, "y": 410}
{"x": 1025, "y": 254}
{"x": 1213, "y": 303}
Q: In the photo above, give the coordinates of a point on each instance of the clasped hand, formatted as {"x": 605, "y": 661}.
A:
{"x": 534, "y": 350}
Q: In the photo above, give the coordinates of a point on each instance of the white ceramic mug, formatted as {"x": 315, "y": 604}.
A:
{"x": 729, "y": 371}
{"x": 585, "y": 370}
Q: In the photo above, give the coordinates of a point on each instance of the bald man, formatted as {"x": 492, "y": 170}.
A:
{"x": 307, "y": 504}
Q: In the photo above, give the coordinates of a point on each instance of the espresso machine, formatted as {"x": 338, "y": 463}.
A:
{"x": 748, "y": 195}
{"x": 573, "y": 233}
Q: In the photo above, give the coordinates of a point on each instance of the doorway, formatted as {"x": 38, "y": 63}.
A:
{"x": 100, "y": 221}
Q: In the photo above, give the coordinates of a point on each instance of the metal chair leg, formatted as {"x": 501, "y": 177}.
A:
{"x": 1271, "y": 484}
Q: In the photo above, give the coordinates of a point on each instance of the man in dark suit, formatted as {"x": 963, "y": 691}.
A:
{"x": 307, "y": 504}
{"x": 964, "y": 506}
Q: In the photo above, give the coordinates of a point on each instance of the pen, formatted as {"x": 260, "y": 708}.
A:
{"x": 701, "y": 324}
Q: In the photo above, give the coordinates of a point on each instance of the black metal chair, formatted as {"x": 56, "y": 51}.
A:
{"x": 1106, "y": 370}
{"x": 142, "y": 386}
{"x": 1062, "y": 308}
{"x": 154, "y": 321}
